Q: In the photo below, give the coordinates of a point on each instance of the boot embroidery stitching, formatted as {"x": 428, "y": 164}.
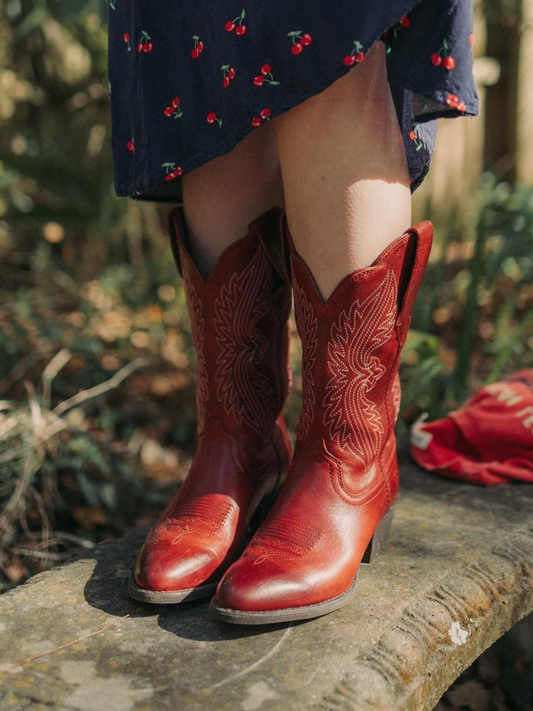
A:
{"x": 353, "y": 420}
{"x": 285, "y": 539}
{"x": 243, "y": 389}
{"x": 197, "y": 327}
{"x": 195, "y": 527}
{"x": 199, "y": 517}
{"x": 335, "y": 473}
{"x": 308, "y": 327}
{"x": 396, "y": 392}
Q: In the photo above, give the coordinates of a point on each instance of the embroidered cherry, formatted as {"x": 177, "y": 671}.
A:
{"x": 229, "y": 74}
{"x": 414, "y": 137}
{"x": 449, "y": 62}
{"x": 130, "y": 146}
{"x": 198, "y": 47}
{"x": 172, "y": 170}
{"x": 265, "y": 76}
{"x": 174, "y": 109}
{"x": 452, "y": 100}
{"x": 455, "y": 102}
{"x": 356, "y": 55}
{"x": 145, "y": 44}
{"x": 127, "y": 40}
{"x": 402, "y": 24}
{"x": 471, "y": 40}
{"x": 212, "y": 117}
{"x": 299, "y": 40}
{"x": 443, "y": 57}
{"x": 236, "y": 25}
{"x": 264, "y": 115}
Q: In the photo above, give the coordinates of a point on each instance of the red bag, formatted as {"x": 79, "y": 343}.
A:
{"x": 489, "y": 440}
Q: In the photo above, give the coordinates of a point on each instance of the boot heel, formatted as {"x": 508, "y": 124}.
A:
{"x": 262, "y": 511}
{"x": 378, "y": 539}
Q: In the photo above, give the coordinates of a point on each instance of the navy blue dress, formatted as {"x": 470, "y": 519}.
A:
{"x": 189, "y": 78}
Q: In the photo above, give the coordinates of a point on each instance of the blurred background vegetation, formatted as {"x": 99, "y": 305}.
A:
{"x": 97, "y": 419}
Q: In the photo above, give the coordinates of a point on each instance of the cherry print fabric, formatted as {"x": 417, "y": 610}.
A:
{"x": 189, "y": 79}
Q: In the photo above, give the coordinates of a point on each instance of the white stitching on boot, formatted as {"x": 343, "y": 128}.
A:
{"x": 245, "y": 392}
{"x": 353, "y": 420}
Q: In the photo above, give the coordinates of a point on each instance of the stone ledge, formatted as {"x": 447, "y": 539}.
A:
{"x": 457, "y": 573}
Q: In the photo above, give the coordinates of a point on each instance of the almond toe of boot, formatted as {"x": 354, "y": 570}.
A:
{"x": 250, "y": 588}
{"x": 158, "y": 569}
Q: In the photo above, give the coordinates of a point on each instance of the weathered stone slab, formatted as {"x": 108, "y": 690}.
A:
{"x": 458, "y": 572}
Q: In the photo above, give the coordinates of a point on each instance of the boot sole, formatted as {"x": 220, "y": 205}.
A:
{"x": 169, "y": 597}
{"x": 306, "y": 612}
{"x": 289, "y": 614}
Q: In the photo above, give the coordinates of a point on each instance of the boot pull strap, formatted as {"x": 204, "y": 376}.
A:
{"x": 271, "y": 224}
{"x": 416, "y": 259}
{"x": 285, "y": 247}
{"x": 176, "y": 230}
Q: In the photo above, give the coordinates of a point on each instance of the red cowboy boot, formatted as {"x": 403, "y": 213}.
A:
{"x": 239, "y": 319}
{"x": 336, "y": 504}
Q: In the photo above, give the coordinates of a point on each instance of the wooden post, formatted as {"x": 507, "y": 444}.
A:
{"x": 524, "y": 112}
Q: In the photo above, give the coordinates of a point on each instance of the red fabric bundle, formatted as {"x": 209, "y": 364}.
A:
{"x": 489, "y": 440}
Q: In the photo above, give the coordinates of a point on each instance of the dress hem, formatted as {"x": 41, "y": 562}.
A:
{"x": 141, "y": 190}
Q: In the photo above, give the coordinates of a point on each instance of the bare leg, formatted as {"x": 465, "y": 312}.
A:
{"x": 345, "y": 173}
{"x": 224, "y": 195}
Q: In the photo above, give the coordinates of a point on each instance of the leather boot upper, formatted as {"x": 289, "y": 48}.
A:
{"x": 239, "y": 325}
{"x": 344, "y": 473}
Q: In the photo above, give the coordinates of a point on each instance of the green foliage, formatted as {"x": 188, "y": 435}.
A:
{"x": 501, "y": 274}
{"x": 55, "y": 155}
{"x": 477, "y": 298}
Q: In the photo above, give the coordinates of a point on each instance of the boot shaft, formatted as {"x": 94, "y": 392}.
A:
{"x": 239, "y": 326}
{"x": 351, "y": 346}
